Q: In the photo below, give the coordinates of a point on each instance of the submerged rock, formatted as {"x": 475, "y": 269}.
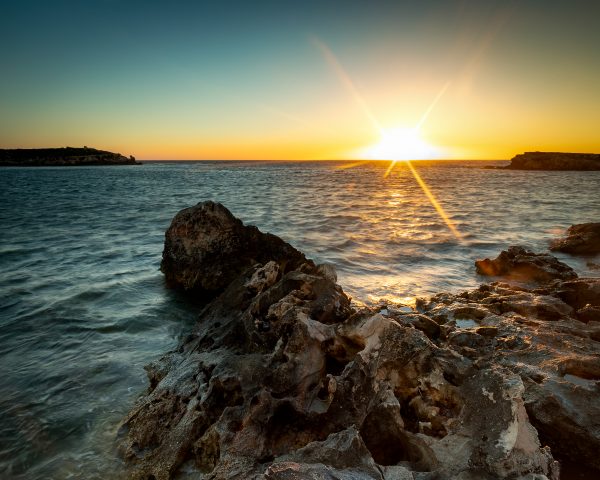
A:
{"x": 520, "y": 264}
{"x": 582, "y": 239}
{"x": 282, "y": 379}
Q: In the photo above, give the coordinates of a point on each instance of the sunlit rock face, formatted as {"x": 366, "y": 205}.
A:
{"x": 582, "y": 239}
{"x": 520, "y": 264}
{"x": 282, "y": 378}
{"x": 555, "y": 161}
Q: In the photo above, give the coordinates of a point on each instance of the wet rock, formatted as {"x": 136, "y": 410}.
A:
{"x": 206, "y": 248}
{"x": 581, "y": 239}
{"x": 522, "y": 265}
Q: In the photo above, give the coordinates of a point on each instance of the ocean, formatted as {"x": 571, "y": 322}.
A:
{"x": 83, "y": 305}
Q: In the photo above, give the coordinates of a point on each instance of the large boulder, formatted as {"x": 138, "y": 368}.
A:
{"x": 206, "y": 248}
{"x": 520, "y": 264}
{"x": 581, "y": 239}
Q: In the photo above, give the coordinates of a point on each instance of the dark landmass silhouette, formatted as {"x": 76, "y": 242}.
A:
{"x": 63, "y": 157}
{"x": 554, "y": 161}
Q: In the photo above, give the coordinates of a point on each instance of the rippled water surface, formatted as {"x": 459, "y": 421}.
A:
{"x": 83, "y": 306}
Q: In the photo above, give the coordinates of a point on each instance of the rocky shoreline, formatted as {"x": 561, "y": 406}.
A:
{"x": 283, "y": 378}
{"x": 61, "y": 157}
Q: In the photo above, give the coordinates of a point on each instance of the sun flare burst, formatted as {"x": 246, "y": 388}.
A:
{"x": 402, "y": 143}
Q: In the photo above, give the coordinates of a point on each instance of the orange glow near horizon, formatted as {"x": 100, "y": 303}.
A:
{"x": 399, "y": 143}
{"x": 346, "y": 166}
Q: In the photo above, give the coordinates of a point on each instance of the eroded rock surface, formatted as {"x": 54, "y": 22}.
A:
{"x": 582, "y": 239}
{"x": 552, "y": 350}
{"x": 282, "y": 378}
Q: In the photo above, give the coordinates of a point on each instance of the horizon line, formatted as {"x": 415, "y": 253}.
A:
{"x": 370, "y": 160}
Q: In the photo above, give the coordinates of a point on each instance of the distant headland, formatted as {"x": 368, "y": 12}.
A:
{"x": 61, "y": 157}
{"x": 554, "y": 161}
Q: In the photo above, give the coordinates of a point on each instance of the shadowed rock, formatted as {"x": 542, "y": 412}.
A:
{"x": 206, "y": 248}
{"x": 582, "y": 239}
{"x": 522, "y": 265}
{"x": 583, "y": 295}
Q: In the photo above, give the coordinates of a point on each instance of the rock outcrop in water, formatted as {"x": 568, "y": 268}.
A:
{"x": 206, "y": 248}
{"x": 61, "y": 157}
{"x": 582, "y": 239}
{"x": 282, "y": 378}
{"x": 522, "y": 265}
{"x": 555, "y": 161}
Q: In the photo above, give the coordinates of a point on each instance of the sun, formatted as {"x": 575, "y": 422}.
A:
{"x": 402, "y": 143}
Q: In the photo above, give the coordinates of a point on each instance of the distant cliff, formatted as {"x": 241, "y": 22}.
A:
{"x": 63, "y": 157}
{"x": 555, "y": 161}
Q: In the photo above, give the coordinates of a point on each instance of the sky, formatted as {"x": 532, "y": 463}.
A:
{"x": 299, "y": 80}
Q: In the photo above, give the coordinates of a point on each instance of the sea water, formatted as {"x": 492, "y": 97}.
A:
{"x": 83, "y": 305}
